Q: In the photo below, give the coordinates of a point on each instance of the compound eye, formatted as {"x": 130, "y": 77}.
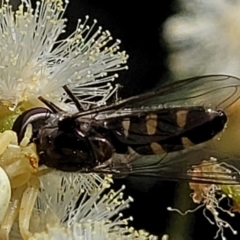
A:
{"x": 28, "y": 117}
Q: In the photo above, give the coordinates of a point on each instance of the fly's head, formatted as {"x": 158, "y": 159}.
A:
{"x": 37, "y": 117}
{"x": 205, "y": 125}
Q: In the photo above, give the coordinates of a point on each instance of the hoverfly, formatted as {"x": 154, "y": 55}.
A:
{"x": 157, "y": 122}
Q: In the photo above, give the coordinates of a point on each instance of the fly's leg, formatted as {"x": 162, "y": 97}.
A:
{"x": 26, "y": 207}
{"x": 12, "y": 212}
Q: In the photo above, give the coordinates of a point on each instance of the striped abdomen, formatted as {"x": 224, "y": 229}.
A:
{"x": 167, "y": 130}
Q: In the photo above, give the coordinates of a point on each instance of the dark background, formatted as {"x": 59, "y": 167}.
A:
{"x": 138, "y": 26}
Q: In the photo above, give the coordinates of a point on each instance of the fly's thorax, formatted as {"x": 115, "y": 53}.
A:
{"x": 66, "y": 151}
{"x": 69, "y": 148}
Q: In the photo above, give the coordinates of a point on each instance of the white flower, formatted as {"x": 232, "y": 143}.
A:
{"x": 79, "y": 206}
{"x": 34, "y": 62}
{"x": 204, "y": 38}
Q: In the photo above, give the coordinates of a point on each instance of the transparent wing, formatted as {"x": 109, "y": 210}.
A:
{"x": 214, "y": 91}
{"x": 200, "y": 165}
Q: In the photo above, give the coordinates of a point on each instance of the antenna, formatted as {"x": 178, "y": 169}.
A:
{"x": 73, "y": 98}
{"x": 51, "y": 105}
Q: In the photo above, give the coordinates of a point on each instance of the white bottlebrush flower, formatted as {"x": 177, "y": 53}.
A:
{"x": 34, "y": 62}
{"x": 204, "y": 38}
{"x": 79, "y": 206}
